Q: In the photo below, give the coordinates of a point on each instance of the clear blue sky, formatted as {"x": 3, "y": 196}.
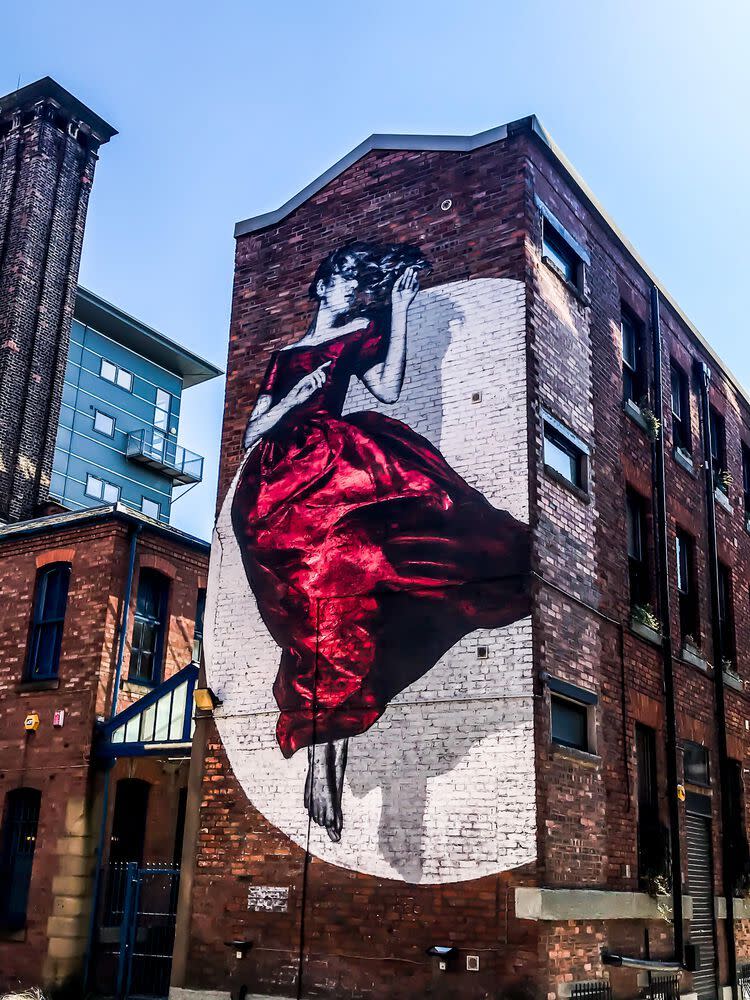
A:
{"x": 226, "y": 109}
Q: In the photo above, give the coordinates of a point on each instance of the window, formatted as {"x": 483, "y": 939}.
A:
{"x": 681, "y": 437}
{"x": 633, "y": 367}
{"x": 562, "y": 255}
{"x": 746, "y": 482}
{"x": 637, "y": 532}
{"x": 739, "y": 851}
{"x": 100, "y": 490}
{"x": 569, "y": 723}
{"x": 119, "y": 376}
{"x": 653, "y": 845}
{"x": 686, "y": 587}
{"x": 162, "y": 410}
{"x": 571, "y": 711}
{"x": 104, "y": 424}
{"x": 48, "y": 619}
{"x": 200, "y": 611}
{"x": 695, "y": 762}
{"x": 564, "y": 454}
{"x": 719, "y": 450}
{"x": 150, "y": 508}
{"x": 149, "y": 626}
{"x": 18, "y": 844}
{"x": 726, "y": 618}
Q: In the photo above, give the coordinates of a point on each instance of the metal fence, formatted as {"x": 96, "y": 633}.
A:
{"x": 662, "y": 988}
{"x": 595, "y": 989}
{"x": 743, "y": 982}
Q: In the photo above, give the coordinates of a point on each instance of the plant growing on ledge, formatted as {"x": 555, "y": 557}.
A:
{"x": 644, "y": 614}
{"x": 653, "y": 424}
{"x": 689, "y": 642}
{"x": 724, "y": 480}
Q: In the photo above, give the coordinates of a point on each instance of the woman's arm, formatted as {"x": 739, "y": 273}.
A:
{"x": 385, "y": 380}
{"x": 265, "y": 416}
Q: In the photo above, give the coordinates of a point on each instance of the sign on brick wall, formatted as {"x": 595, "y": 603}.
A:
{"x": 367, "y": 622}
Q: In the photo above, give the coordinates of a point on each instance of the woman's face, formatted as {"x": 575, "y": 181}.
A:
{"x": 341, "y": 291}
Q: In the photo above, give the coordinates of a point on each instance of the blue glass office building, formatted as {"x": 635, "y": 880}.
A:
{"x": 120, "y": 416}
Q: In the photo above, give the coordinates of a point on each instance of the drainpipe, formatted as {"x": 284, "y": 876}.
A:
{"x": 703, "y": 373}
{"x": 662, "y": 537}
{"x": 134, "y": 533}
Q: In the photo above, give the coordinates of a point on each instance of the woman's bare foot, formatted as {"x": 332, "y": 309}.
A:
{"x": 324, "y": 785}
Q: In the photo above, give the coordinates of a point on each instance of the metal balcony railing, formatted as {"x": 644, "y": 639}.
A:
{"x": 158, "y": 451}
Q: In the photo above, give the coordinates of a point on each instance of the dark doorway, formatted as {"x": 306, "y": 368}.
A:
{"x": 129, "y": 820}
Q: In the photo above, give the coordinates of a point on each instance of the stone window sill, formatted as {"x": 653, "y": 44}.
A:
{"x": 26, "y": 687}
{"x": 573, "y": 289}
{"x": 647, "y": 633}
{"x": 733, "y": 681}
{"x": 136, "y": 687}
{"x": 685, "y": 461}
{"x": 558, "y": 478}
{"x": 572, "y": 753}
{"x": 693, "y": 657}
{"x": 723, "y": 500}
{"x": 634, "y": 412}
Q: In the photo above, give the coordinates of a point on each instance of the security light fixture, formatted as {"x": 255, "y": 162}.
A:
{"x": 443, "y": 953}
{"x": 240, "y": 947}
{"x": 205, "y": 699}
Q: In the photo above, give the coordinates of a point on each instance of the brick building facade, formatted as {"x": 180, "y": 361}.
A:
{"x": 638, "y": 636}
{"x": 101, "y": 607}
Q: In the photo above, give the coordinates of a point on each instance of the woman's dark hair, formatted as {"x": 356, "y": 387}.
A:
{"x": 375, "y": 266}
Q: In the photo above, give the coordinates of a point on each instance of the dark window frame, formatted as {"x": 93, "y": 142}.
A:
{"x": 200, "y": 611}
{"x": 19, "y": 836}
{"x": 150, "y": 623}
{"x": 682, "y": 436}
{"x": 701, "y": 759}
{"x": 687, "y": 589}
{"x": 571, "y": 703}
{"x": 634, "y": 372}
{"x": 726, "y": 613}
{"x": 746, "y": 482}
{"x": 718, "y": 449}
{"x": 638, "y": 549}
{"x": 47, "y": 624}
{"x": 570, "y": 445}
{"x": 562, "y": 253}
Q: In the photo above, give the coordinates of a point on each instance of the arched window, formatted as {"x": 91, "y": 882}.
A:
{"x": 17, "y": 858}
{"x": 45, "y": 640}
{"x": 149, "y": 627}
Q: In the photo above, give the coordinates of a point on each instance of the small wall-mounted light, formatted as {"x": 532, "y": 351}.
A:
{"x": 476, "y": 397}
{"x": 205, "y": 699}
{"x": 446, "y": 205}
{"x": 240, "y": 947}
{"x": 443, "y": 953}
{"x": 31, "y": 722}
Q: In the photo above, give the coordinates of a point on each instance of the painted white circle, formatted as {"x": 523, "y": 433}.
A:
{"x": 441, "y": 788}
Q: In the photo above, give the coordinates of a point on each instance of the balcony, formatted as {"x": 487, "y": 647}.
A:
{"x": 160, "y": 453}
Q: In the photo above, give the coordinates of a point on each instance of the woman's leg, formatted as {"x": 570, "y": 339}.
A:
{"x": 324, "y": 785}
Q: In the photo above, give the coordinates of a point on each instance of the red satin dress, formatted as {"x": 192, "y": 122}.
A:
{"x": 368, "y": 555}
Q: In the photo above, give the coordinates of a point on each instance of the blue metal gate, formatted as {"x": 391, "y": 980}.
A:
{"x": 136, "y": 931}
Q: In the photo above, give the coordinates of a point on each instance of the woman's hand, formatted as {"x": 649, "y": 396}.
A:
{"x": 405, "y": 289}
{"x": 306, "y": 387}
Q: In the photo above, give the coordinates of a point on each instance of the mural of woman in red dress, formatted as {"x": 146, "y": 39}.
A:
{"x": 368, "y": 555}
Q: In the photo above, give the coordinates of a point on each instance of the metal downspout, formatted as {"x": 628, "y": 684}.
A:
{"x": 703, "y": 372}
{"x": 134, "y": 533}
{"x": 665, "y": 609}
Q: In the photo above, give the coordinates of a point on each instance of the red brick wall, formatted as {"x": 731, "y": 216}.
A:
{"x": 365, "y": 936}
{"x": 57, "y": 760}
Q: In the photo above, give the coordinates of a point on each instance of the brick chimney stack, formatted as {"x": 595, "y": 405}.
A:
{"x": 48, "y": 148}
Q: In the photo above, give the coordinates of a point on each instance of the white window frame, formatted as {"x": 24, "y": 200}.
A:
{"x": 106, "y": 416}
{"x": 116, "y": 377}
{"x": 148, "y": 500}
